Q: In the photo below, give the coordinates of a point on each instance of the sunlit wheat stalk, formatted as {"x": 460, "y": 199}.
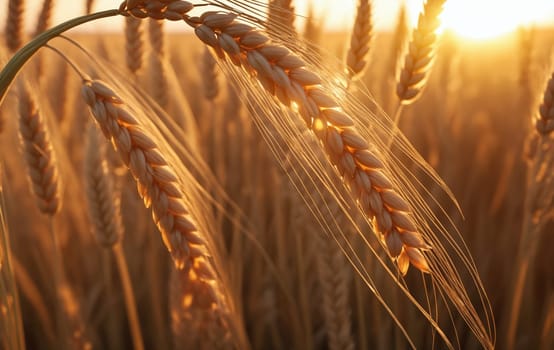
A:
{"x": 159, "y": 187}
{"x": 419, "y": 59}
{"x": 286, "y": 76}
{"x": 360, "y": 41}
{"x": 43, "y": 174}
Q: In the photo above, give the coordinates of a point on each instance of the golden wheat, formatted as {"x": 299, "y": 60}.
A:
{"x": 420, "y": 54}
{"x": 360, "y": 40}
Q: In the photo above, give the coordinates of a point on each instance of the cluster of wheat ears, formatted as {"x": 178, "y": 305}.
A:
{"x": 291, "y": 205}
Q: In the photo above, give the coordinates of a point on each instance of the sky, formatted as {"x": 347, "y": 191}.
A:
{"x": 472, "y": 16}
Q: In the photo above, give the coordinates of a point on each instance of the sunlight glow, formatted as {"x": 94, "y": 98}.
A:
{"x": 478, "y": 19}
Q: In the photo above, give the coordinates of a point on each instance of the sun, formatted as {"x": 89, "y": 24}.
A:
{"x": 486, "y": 19}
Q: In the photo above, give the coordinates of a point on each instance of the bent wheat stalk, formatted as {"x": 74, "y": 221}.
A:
{"x": 284, "y": 75}
{"x": 158, "y": 185}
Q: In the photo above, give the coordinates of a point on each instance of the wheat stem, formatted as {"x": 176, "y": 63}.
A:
{"x": 129, "y": 297}
{"x": 59, "y": 283}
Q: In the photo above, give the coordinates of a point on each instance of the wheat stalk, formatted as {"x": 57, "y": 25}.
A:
{"x": 420, "y": 54}
{"x": 45, "y": 17}
{"x": 158, "y": 186}
{"x": 103, "y": 203}
{"x": 360, "y": 40}
{"x": 134, "y": 44}
{"x": 14, "y": 24}
{"x": 286, "y": 76}
{"x": 38, "y": 153}
{"x": 156, "y": 181}
{"x": 209, "y": 75}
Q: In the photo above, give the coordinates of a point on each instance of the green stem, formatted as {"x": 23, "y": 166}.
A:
{"x": 10, "y": 70}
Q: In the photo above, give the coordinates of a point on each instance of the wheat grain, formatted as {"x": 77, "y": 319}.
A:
{"x": 14, "y": 24}
{"x": 360, "y": 40}
{"x": 420, "y": 54}
{"x": 38, "y": 153}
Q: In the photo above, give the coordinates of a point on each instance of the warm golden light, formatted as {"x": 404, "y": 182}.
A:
{"x": 478, "y": 19}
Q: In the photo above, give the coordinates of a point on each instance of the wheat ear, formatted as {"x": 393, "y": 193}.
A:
{"x": 134, "y": 44}
{"x": 209, "y": 75}
{"x": 38, "y": 153}
{"x": 360, "y": 40}
{"x": 285, "y": 75}
{"x": 158, "y": 185}
{"x": 14, "y": 24}
{"x": 418, "y": 60}
{"x": 332, "y": 268}
{"x": 420, "y": 54}
{"x": 45, "y": 17}
{"x": 157, "y": 60}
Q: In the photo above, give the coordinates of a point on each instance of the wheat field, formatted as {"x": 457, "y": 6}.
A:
{"x": 256, "y": 181}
